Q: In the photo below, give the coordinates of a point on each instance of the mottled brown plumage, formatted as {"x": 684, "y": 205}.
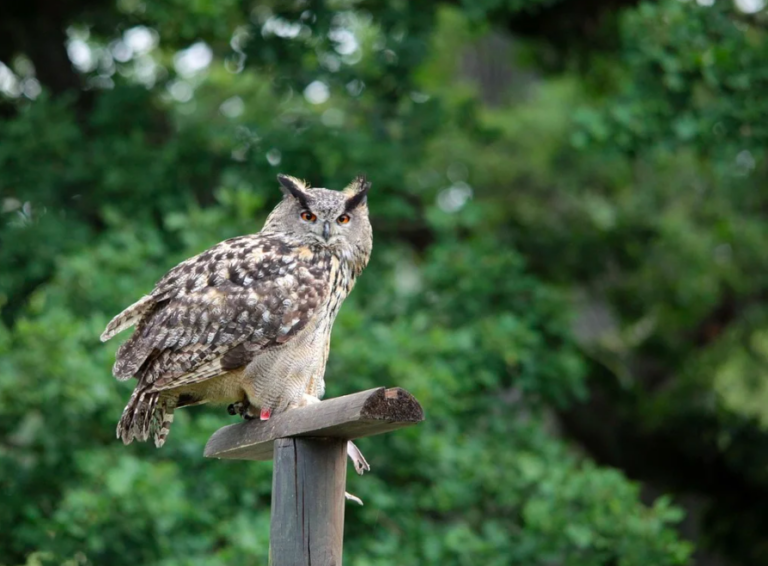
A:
{"x": 249, "y": 320}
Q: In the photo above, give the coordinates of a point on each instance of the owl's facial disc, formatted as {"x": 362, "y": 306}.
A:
{"x": 334, "y": 219}
{"x": 325, "y": 216}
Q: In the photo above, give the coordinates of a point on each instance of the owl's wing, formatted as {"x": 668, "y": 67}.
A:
{"x": 215, "y": 311}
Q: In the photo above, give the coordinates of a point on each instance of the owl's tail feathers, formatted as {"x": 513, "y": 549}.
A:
{"x": 128, "y": 317}
{"x": 163, "y": 420}
{"x": 137, "y": 416}
{"x": 146, "y": 414}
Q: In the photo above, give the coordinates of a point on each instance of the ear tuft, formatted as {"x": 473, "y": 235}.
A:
{"x": 359, "y": 189}
{"x": 291, "y": 186}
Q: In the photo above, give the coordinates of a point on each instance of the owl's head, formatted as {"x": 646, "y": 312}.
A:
{"x": 335, "y": 219}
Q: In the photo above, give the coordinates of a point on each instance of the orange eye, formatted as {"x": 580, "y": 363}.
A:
{"x": 307, "y": 216}
{"x": 343, "y": 219}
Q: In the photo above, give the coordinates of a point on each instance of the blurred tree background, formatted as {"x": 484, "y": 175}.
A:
{"x": 569, "y": 270}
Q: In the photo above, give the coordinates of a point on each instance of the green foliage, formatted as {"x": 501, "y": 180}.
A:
{"x": 576, "y": 271}
{"x": 691, "y": 77}
{"x": 495, "y": 485}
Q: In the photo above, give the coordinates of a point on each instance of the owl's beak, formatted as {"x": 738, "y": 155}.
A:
{"x": 326, "y": 230}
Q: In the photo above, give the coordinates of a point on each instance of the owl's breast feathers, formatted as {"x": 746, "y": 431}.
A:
{"x": 216, "y": 311}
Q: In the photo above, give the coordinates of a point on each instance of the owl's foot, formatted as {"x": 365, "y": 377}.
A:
{"x": 361, "y": 466}
{"x": 248, "y": 411}
{"x": 239, "y": 408}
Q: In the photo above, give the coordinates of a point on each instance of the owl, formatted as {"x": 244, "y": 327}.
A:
{"x": 247, "y": 322}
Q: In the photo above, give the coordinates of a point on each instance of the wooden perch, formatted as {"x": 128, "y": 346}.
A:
{"x": 346, "y": 418}
{"x": 309, "y": 446}
{"x": 308, "y": 482}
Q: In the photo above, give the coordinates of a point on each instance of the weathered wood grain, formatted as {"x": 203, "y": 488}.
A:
{"x": 307, "y": 525}
{"x": 345, "y": 418}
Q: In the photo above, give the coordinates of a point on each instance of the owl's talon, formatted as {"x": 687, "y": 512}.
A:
{"x": 361, "y": 465}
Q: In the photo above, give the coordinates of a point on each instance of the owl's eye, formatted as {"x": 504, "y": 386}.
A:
{"x": 307, "y": 216}
{"x": 343, "y": 219}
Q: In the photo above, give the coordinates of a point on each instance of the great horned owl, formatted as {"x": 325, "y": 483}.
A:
{"x": 248, "y": 321}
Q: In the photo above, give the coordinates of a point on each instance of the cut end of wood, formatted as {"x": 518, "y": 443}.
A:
{"x": 394, "y": 404}
{"x": 353, "y": 416}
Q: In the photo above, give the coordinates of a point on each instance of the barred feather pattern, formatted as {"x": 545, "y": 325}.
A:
{"x": 147, "y": 414}
{"x": 162, "y": 419}
{"x": 137, "y": 415}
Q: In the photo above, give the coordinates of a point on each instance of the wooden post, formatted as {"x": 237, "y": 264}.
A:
{"x": 309, "y": 446}
{"x": 308, "y": 501}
